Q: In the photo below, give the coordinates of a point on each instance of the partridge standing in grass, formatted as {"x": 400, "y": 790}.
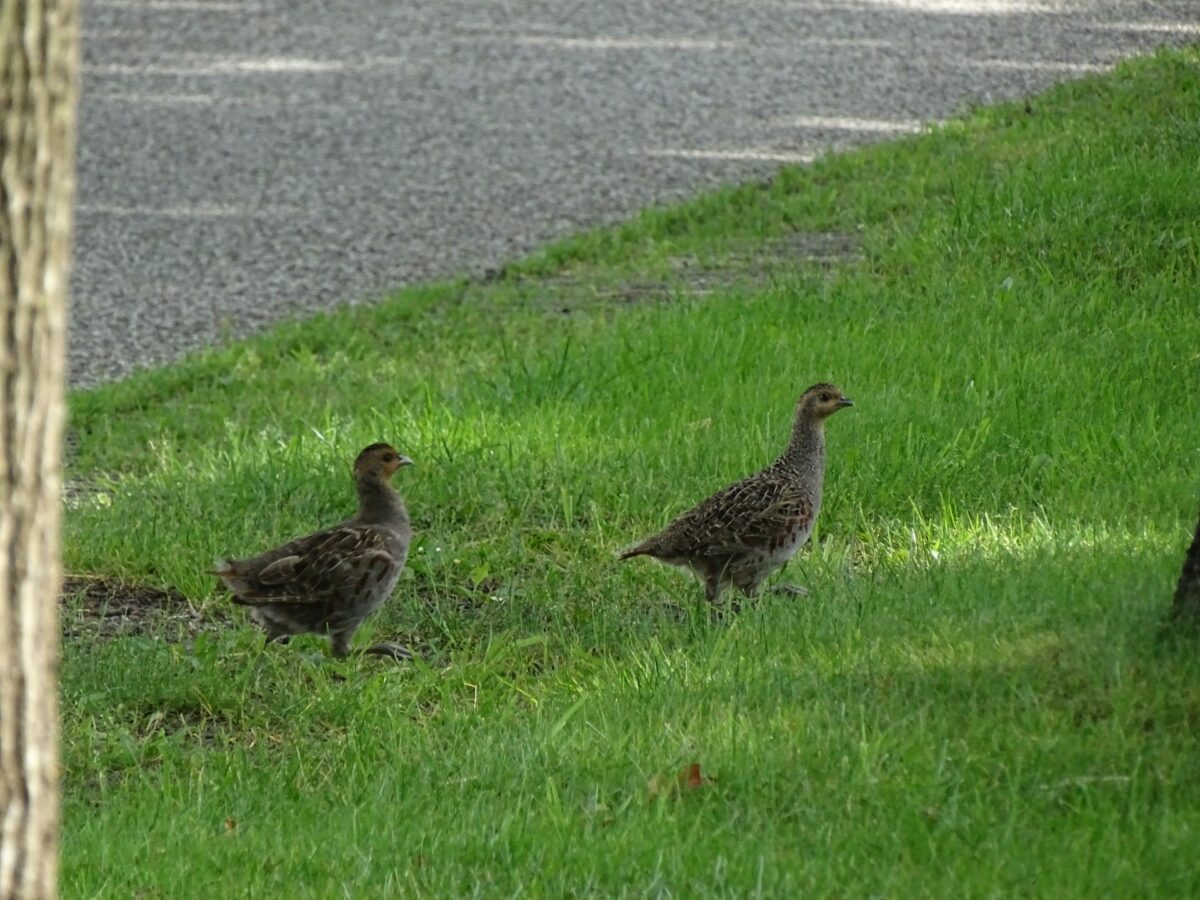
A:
{"x": 329, "y": 582}
{"x": 741, "y": 534}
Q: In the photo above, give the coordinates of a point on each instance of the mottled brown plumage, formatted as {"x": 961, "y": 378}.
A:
{"x": 741, "y": 534}
{"x": 329, "y": 582}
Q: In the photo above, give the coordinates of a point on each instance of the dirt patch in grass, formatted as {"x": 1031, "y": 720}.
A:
{"x": 825, "y": 248}
{"x": 97, "y": 607}
{"x": 205, "y": 727}
{"x": 692, "y": 277}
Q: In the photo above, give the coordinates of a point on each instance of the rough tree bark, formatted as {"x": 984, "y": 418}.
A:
{"x": 1187, "y": 593}
{"x": 39, "y": 49}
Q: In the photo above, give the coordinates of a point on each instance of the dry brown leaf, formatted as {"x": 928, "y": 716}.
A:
{"x": 690, "y": 777}
{"x": 230, "y": 826}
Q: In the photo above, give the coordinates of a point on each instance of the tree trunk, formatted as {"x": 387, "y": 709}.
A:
{"x": 1187, "y": 592}
{"x": 39, "y": 50}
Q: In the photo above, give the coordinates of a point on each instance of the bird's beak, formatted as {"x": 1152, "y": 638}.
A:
{"x": 844, "y": 402}
{"x": 403, "y": 461}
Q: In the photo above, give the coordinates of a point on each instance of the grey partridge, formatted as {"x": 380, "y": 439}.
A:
{"x": 330, "y": 581}
{"x": 740, "y": 535}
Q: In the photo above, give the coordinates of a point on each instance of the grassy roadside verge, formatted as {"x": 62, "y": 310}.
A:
{"x": 971, "y": 702}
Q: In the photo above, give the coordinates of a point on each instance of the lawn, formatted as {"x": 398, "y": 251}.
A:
{"x": 972, "y": 701}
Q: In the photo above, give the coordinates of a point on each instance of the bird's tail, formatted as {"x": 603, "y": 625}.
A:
{"x": 635, "y": 550}
{"x": 235, "y": 581}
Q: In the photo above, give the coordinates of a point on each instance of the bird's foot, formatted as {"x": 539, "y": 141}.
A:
{"x": 790, "y": 590}
{"x": 396, "y": 652}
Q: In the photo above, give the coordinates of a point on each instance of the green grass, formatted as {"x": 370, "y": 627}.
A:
{"x": 972, "y": 702}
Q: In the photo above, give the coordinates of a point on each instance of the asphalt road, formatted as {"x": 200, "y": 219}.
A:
{"x": 240, "y": 162}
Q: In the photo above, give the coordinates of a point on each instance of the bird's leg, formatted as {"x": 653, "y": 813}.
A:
{"x": 340, "y": 642}
{"x": 713, "y": 588}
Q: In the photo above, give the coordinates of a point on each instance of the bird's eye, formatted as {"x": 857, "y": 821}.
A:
{"x": 387, "y": 457}
{"x": 825, "y": 398}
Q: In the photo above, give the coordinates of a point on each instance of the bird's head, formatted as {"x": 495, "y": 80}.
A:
{"x": 379, "y": 461}
{"x": 821, "y": 401}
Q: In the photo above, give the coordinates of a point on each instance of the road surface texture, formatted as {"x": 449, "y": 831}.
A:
{"x": 241, "y": 162}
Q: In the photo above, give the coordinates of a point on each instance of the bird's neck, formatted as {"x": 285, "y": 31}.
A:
{"x": 805, "y": 453}
{"x": 379, "y": 504}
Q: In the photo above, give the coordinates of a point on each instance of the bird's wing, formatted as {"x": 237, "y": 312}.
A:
{"x": 743, "y": 516}
{"x": 344, "y": 561}
{"x": 772, "y": 527}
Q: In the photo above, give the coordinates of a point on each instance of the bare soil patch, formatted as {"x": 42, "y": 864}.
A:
{"x": 692, "y": 277}
{"x": 205, "y": 727}
{"x": 107, "y": 609}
